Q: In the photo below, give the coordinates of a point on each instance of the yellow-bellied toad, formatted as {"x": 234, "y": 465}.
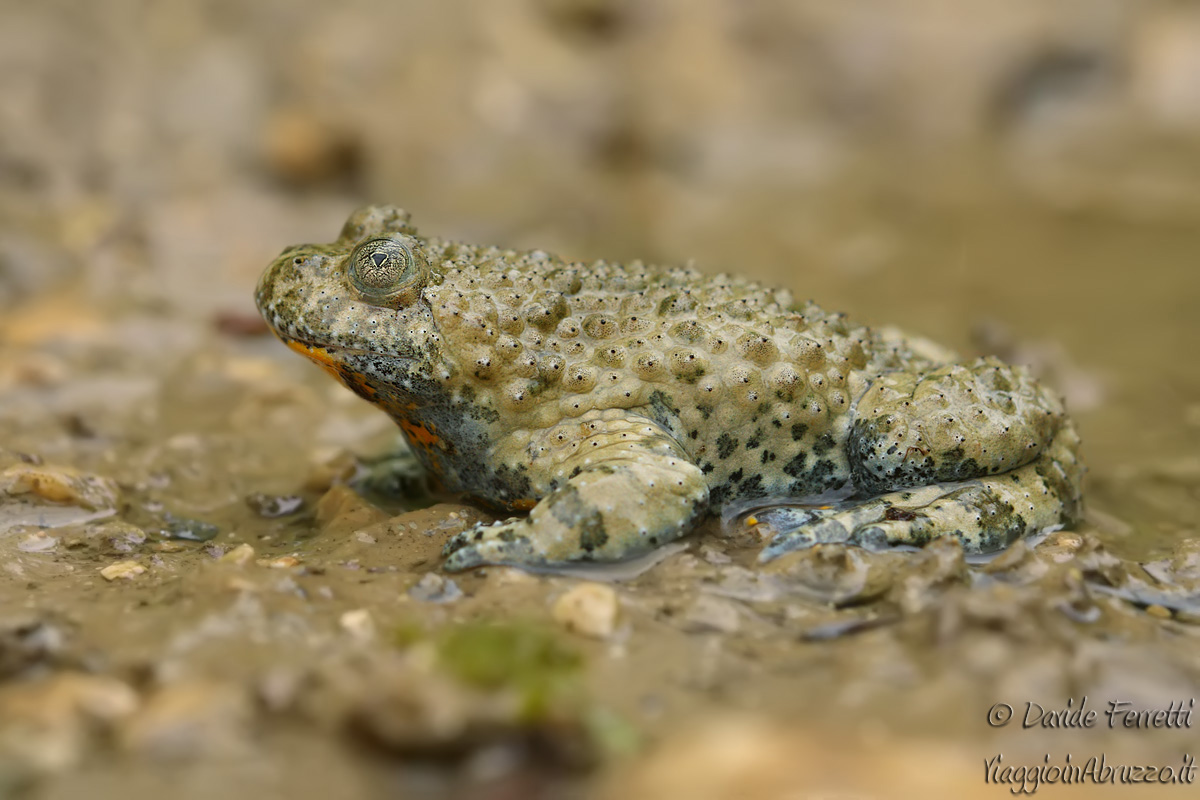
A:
{"x": 618, "y": 403}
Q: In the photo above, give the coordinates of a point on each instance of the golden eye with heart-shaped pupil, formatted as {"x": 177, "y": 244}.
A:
{"x": 380, "y": 266}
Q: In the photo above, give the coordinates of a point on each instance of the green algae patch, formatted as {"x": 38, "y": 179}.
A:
{"x": 531, "y": 660}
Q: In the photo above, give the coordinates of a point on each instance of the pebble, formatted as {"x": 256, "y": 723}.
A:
{"x": 359, "y": 624}
{"x": 434, "y": 588}
{"x": 105, "y": 538}
{"x": 1060, "y": 547}
{"x": 191, "y": 530}
{"x": 122, "y": 570}
{"x": 241, "y": 555}
{"x": 282, "y": 562}
{"x": 279, "y": 689}
{"x": 273, "y": 505}
{"x": 589, "y": 609}
{"x": 37, "y": 542}
{"x": 60, "y": 485}
{"x": 1158, "y": 611}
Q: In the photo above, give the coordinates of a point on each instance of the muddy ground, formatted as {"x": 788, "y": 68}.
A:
{"x": 216, "y": 577}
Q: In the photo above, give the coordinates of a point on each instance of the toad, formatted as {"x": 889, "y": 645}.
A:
{"x": 618, "y": 404}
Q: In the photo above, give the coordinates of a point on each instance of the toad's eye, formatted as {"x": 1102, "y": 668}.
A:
{"x": 380, "y": 268}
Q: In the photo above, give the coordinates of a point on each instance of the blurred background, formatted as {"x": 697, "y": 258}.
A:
{"x": 933, "y": 164}
{"x": 1018, "y": 177}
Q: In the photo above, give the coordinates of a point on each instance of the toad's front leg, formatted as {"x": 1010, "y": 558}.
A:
{"x": 619, "y": 485}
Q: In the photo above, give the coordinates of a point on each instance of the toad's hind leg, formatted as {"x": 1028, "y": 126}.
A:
{"x": 978, "y": 451}
{"x": 985, "y": 514}
{"x": 619, "y": 486}
{"x": 956, "y": 422}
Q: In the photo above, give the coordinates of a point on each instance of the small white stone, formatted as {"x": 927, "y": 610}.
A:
{"x": 359, "y": 624}
{"x": 240, "y": 555}
{"x": 122, "y": 570}
{"x": 589, "y": 609}
{"x": 37, "y": 542}
{"x": 282, "y": 562}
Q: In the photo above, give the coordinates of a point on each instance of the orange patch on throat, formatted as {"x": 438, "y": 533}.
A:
{"x": 320, "y": 355}
{"x": 324, "y": 359}
{"x": 420, "y": 436}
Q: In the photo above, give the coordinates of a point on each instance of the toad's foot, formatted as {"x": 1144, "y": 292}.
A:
{"x": 621, "y": 485}
{"x": 986, "y": 514}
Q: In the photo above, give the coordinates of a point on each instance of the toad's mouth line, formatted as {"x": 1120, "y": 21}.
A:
{"x": 330, "y": 357}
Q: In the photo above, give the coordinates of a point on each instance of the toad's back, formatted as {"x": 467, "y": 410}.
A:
{"x": 755, "y": 387}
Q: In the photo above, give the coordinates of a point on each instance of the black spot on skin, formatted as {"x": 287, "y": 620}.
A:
{"x": 704, "y": 410}
{"x": 767, "y": 456}
{"x": 736, "y": 477}
{"x": 777, "y": 423}
{"x": 569, "y": 508}
{"x": 1001, "y": 531}
{"x": 959, "y": 470}
{"x": 482, "y": 413}
{"x": 660, "y": 403}
{"x": 726, "y": 444}
{"x": 823, "y": 444}
{"x": 795, "y": 467}
{"x": 592, "y": 536}
{"x": 899, "y": 514}
{"x": 756, "y": 439}
{"x": 752, "y": 488}
{"x": 823, "y": 477}
{"x": 822, "y": 472}
{"x": 511, "y": 481}
{"x": 798, "y": 431}
{"x": 707, "y": 467}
